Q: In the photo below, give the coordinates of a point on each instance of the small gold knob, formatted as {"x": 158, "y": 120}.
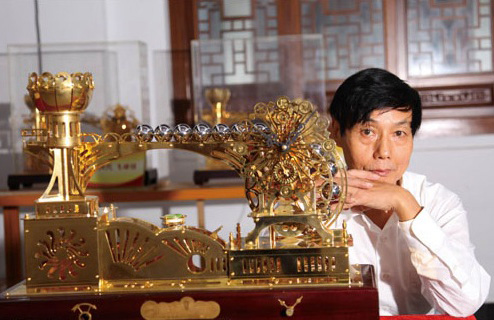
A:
{"x": 290, "y": 310}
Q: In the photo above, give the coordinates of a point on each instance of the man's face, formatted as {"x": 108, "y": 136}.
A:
{"x": 382, "y": 145}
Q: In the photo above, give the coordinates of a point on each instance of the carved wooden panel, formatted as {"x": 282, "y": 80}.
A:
{"x": 259, "y": 69}
{"x": 237, "y": 61}
{"x": 460, "y": 96}
{"x": 233, "y": 19}
{"x": 353, "y": 32}
{"x": 449, "y": 37}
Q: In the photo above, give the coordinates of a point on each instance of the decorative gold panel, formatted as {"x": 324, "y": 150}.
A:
{"x": 136, "y": 249}
{"x": 61, "y": 251}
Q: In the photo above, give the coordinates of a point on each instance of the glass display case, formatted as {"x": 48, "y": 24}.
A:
{"x": 6, "y": 158}
{"x": 176, "y": 166}
{"x": 120, "y": 74}
{"x": 231, "y": 75}
{"x": 168, "y": 162}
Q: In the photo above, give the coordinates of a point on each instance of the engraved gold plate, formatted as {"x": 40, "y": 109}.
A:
{"x": 186, "y": 308}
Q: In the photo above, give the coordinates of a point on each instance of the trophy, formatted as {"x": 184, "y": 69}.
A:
{"x": 128, "y": 171}
{"x": 218, "y": 99}
{"x": 118, "y": 119}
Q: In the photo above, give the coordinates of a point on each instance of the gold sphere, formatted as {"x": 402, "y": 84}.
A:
{"x": 61, "y": 92}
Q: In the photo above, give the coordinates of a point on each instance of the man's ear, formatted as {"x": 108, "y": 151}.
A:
{"x": 334, "y": 128}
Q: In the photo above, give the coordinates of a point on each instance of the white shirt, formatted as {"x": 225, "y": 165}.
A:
{"x": 424, "y": 265}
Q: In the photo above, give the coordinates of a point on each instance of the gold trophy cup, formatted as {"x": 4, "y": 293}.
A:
{"x": 218, "y": 99}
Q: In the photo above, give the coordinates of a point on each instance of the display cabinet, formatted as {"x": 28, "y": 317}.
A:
{"x": 120, "y": 70}
{"x": 231, "y": 75}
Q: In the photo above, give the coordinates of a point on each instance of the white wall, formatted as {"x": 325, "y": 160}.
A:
{"x": 463, "y": 164}
{"x": 60, "y": 20}
{"x": 146, "y": 21}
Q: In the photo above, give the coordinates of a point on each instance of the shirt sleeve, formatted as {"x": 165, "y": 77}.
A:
{"x": 452, "y": 280}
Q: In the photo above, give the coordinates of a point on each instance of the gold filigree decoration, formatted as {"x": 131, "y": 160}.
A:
{"x": 286, "y": 158}
{"x": 186, "y": 246}
{"x": 61, "y": 254}
{"x": 128, "y": 247}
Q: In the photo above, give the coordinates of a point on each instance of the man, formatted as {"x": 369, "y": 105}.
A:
{"x": 414, "y": 232}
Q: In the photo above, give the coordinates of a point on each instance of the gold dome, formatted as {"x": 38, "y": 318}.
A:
{"x": 61, "y": 92}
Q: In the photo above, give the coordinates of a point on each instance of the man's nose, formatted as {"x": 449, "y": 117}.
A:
{"x": 383, "y": 148}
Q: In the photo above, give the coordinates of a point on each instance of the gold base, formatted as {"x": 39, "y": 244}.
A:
{"x": 146, "y": 286}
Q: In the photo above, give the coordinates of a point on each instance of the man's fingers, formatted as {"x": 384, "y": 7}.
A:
{"x": 359, "y": 183}
{"x": 363, "y": 174}
{"x": 356, "y": 183}
{"x": 359, "y": 179}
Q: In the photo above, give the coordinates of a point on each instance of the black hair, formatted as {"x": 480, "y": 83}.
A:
{"x": 373, "y": 89}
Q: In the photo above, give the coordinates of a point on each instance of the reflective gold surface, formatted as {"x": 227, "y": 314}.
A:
{"x": 186, "y": 308}
{"x": 61, "y": 92}
{"x": 61, "y": 251}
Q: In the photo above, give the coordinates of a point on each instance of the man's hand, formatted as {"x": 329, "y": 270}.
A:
{"x": 365, "y": 192}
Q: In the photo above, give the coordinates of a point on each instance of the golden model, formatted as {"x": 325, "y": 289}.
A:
{"x": 282, "y": 151}
{"x": 218, "y": 99}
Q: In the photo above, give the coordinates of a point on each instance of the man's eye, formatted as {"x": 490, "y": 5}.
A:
{"x": 400, "y": 133}
{"x": 366, "y": 132}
